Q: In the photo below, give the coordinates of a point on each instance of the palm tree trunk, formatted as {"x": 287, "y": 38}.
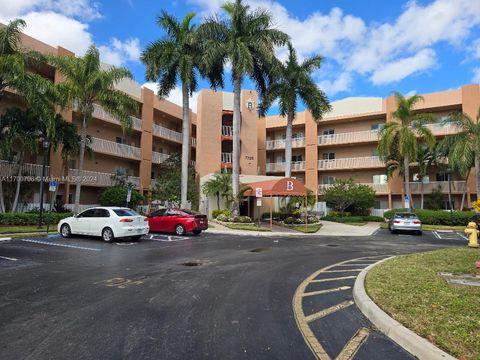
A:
{"x": 465, "y": 191}
{"x": 288, "y": 145}
{"x": 83, "y": 135}
{"x": 218, "y": 200}
{"x": 17, "y": 190}
{"x": 422, "y": 193}
{"x": 185, "y": 146}
{"x": 237, "y": 83}
{"x": 2, "y": 199}
{"x": 477, "y": 173}
{"x": 406, "y": 164}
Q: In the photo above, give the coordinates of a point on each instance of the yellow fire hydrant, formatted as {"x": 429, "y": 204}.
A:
{"x": 472, "y": 233}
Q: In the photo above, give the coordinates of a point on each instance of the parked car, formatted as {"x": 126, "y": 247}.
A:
{"x": 178, "y": 221}
{"x": 108, "y": 222}
{"x": 405, "y": 222}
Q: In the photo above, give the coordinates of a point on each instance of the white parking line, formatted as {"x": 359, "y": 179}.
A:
{"x": 436, "y": 234}
{"x": 463, "y": 237}
{"x": 59, "y": 245}
{"x": 8, "y": 258}
{"x": 167, "y": 238}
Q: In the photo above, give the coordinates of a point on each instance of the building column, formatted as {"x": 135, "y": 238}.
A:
{"x": 311, "y": 152}
{"x": 146, "y": 139}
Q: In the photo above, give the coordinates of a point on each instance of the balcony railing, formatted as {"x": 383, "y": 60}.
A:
{"x": 226, "y": 158}
{"x": 158, "y": 158}
{"x": 100, "y": 113}
{"x": 439, "y": 129}
{"x": 379, "y": 188}
{"x": 227, "y": 130}
{"x": 351, "y": 163}
{"x": 11, "y": 169}
{"x": 457, "y": 187}
{"x": 95, "y": 178}
{"x": 280, "y": 144}
{"x": 163, "y": 132}
{"x": 194, "y": 142}
{"x": 348, "y": 138}
{"x": 280, "y": 166}
{"x": 113, "y": 148}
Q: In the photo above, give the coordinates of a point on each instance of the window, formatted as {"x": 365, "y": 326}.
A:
{"x": 328, "y": 156}
{"x": 297, "y": 135}
{"x": 125, "y": 212}
{"x": 171, "y": 212}
{"x": 120, "y": 140}
{"x": 71, "y": 164}
{"x": 328, "y": 131}
{"x": 87, "y": 213}
{"x": 418, "y": 178}
{"x": 297, "y": 158}
{"x": 375, "y": 152}
{"x": 380, "y": 179}
{"x": 442, "y": 176}
{"x": 101, "y": 213}
{"x": 159, "y": 213}
{"x": 328, "y": 180}
{"x": 377, "y": 127}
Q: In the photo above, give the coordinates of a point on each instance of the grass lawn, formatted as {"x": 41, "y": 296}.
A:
{"x": 237, "y": 226}
{"x": 409, "y": 289}
{"x": 356, "y": 223}
{"x": 210, "y": 226}
{"x": 433, "y": 227}
{"x": 311, "y": 228}
{"x": 26, "y": 229}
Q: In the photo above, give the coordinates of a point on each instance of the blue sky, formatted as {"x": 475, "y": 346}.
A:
{"x": 370, "y": 47}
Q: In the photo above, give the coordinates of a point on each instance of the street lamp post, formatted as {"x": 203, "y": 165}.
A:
{"x": 45, "y": 145}
{"x": 449, "y": 174}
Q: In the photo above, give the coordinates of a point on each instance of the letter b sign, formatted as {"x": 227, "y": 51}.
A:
{"x": 289, "y": 185}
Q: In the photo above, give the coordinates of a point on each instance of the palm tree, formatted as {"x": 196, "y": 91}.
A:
{"x": 246, "y": 39}
{"x": 219, "y": 185}
{"x": 464, "y": 149}
{"x": 426, "y": 158}
{"x": 404, "y": 134}
{"x": 88, "y": 83}
{"x": 6, "y": 149}
{"x": 293, "y": 83}
{"x": 177, "y": 56}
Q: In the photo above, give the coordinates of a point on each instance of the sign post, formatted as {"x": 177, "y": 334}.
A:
{"x": 52, "y": 187}
{"x": 129, "y": 194}
{"x": 407, "y": 202}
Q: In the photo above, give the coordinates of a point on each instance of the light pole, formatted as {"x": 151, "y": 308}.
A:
{"x": 45, "y": 146}
{"x": 449, "y": 174}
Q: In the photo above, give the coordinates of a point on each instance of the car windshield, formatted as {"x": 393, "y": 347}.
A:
{"x": 406, "y": 216}
{"x": 125, "y": 212}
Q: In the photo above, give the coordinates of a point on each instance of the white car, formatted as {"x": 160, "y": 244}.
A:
{"x": 108, "y": 222}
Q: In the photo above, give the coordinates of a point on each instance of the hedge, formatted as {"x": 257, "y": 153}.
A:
{"x": 344, "y": 219}
{"x": 31, "y": 218}
{"x": 437, "y": 217}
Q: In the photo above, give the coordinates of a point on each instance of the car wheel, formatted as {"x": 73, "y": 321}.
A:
{"x": 197, "y": 232}
{"x": 107, "y": 235}
{"x": 180, "y": 229}
{"x": 393, "y": 231}
{"x": 136, "y": 238}
{"x": 65, "y": 231}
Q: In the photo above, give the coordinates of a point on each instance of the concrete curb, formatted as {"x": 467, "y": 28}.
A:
{"x": 5, "y": 239}
{"x": 411, "y": 342}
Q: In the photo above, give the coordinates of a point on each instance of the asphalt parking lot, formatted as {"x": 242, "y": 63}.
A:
{"x": 193, "y": 297}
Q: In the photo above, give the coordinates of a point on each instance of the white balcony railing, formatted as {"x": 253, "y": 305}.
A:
{"x": 351, "y": 163}
{"x": 163, "y": 132}
{"x": 439, "y": 129}
{"x": 11, "y": 169}
{"x": 457, "y": 187}
{"x": 101, "y": 179}
{"x": 193, "y": 163}
{"x": 348, "y": 138}
{"x": 226, "y": 158}
{"x": 158, "y": 158}
{"x": 113, "y": 148}
{"x": 280, "y": 166}
{"x": 194, "y": 142}
{"x": 379, "y": 188}
{"x": 100, "y": 113}
{"x": 227, "y": 130}
{"x": 280, "y": 144}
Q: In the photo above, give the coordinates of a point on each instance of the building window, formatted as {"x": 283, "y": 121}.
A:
{"x": 375, "y": 153}
{"x": 71, "y": 164}
{"x": 377, "y": 127}
{"x": 380, "y": 179}
{"x": 442, "y": 176}
{"x": 418, "y": 178}
{"x": 297, "y": 158}
{"x": 328, "y": 131}
{"x": 121, "y": 140}
{"x": 328, "y": 156}
{"x": 328, "y": 180}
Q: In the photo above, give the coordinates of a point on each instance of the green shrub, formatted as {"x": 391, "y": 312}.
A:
{"x": 117, "y": 196}
{"x": 372, "y": 218}
{"x": 31, "y": 218}
{"x": 437, "y": 217}
{"x": 313, "y": 219}
{"x": 339, "y": 214}
{"x": 289, "y": 220}
{"x": 345, "y": 219}
{"x": 222, "y": 217}
{"x": 217, "y": 212}
{"x": 242, "y": 219}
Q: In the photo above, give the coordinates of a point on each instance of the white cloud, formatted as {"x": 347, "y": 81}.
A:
{"x": 340, "y": 84}
{"x": 475, "y": 49}
{"x": 84, "y": 9}
{"x": 175, "y": 95}
{"x": 411, "y": 93}
{"x": 118, "y": 52}
{"x": 476, "y": 75}
{"x": 402, "y": 68}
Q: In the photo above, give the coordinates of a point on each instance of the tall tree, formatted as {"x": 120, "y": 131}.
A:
{"x": 405, "y": 134}
{"x": 426, "y": 158}
{"x": 219, "y": 185}
{"x": 464, "y": 149}
{"x": 246, "y": 39}
{"x": 293, "y": 83}
{"x": 89, "y": 83}
{"x": 176, "y": 57}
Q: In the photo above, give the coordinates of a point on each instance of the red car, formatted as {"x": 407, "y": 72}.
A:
{"x": 178, "y": 221}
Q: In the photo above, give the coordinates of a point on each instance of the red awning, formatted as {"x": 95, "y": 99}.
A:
{"x": 278, "y": 187}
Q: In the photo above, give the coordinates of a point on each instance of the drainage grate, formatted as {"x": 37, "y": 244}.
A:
{"x": 192, "y": 263}
{"x": 257, "y": 250}
{"x": 332, "y": 245}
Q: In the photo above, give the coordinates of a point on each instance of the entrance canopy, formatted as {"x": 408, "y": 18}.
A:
{"x": 278, "y": 187}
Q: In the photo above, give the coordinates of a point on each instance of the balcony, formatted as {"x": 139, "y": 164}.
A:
{"x": 227, "y": 158}
{"x": 194, "y": 142}
{"x": 101, "y": 179}
{"x": 227, "y": 131}
{"x": 458, "y": 187}
{"x": 280, "y": 144}
{"x": 348, "y": 138}
{"x": 100, "y": 113}
{"x": 112, "y": 148}
{"x": 351, "y": 163}
{"x": 280, "y": 166}
{"x": 158, "y": 158}
{"x": 379, "y": 188}
{"x": 165, "y": 133}
{"x": 439, "y": 129}
{"x": 11, "y": 169}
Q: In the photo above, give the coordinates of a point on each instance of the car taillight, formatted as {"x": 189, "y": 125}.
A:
{"x": 126, "y": 220}
{"x": 417, "y": 222}
{"x": 396, "y": 221}
{"x": 145, "y": 219}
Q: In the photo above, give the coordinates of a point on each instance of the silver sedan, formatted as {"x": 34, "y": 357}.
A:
{"x": 405, "y": 222}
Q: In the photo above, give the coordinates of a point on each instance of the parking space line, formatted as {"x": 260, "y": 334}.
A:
{"x": 328, "y": 311}
{"x": 355, "y": 264}
{"x": 343, "y": 270}
{"x": 313, "y": 293}
{"x": 334, "y": 279}
{"x": 349, "y": 351}
{"x": 8, "y": 258}
{"x": 436, "y": 235}
{"x": 463, "y": 237}
{"x": 57, "y": 244}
